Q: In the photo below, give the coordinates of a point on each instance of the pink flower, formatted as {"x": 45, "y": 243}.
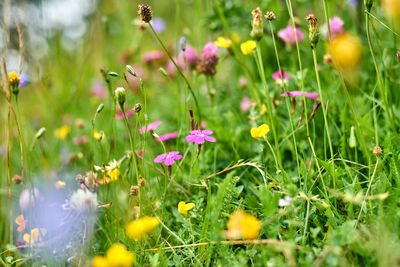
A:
{"x": 168, "y": 158}
{"x": 189, "y": 56}
{"x": 198, "y": 136}
{"x": 242, "y": 81}
{"x": 150, "y": 127}
{"x": 167, "y": 136}
{"x": 336, "y": 25}
{"x": 154, "y": 55}
{"x": 245, "y": 104}
{"x": 299, "y": 93}
{"x": 208, "y": 59}
{"x": 288, "y": 36}
{"x": 98, "y": 90}
{"x": 280, "y": 77}
{"x": 210, "y": 50}
{"x": 120, "y": 115}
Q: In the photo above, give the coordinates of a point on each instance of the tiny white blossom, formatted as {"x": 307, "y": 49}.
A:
{"x": 83, "y": 201}
{"x": 285, "y": 202}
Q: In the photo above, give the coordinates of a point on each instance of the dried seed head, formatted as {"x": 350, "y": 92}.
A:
{"x": 134, "y": 190}
{"x": 142, "y": 181}
{"x": 257, "y": 24}
{"x": 312, "y": 21}
{"x": 137, "y": 108}
{"x": 145, "y": 13}
{"x": 17, "y": 179}
{"x": 270, "y": 16}
{"x": 327, "y": 59}
{"x": 313, "y": 30}
{"x": 377, "y": 151}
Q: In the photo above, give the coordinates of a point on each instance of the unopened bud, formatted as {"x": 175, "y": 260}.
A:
{"x": 40, "y": 133}
{"x": 163, "y": 72}
{"x": 368, "y": 4}
{"x": 328, "y": 59}
{"x": 100, "y": 108}
{"x": 113, "y": 74}
{"x": 17, "y": 179}
{"x": 352, "y": 140}
{"x": 130, "y": 70}
{"x": 120, "y": 95}
{"x": 313, "y": 30}
{"x": 142, "y": 181}
{"x": 137, "y": 108}
{"x": 182, "y": 44}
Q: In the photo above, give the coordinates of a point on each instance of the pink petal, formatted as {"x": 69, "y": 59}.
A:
{"x": 195, "y": 132}
{"x": 312, "y": 95}
{"x": 209, "y": 139}
{"x": 206, "y": 132}
{"x": 178, "y": 157}
{"x": 150, "y": 127}
{"x": 169, "y": 162}
{"x": 159, "y": 158}
{"x": 199, "y": 140}
{"x": 173, "y": 153}
{"x": 190, "y": 138}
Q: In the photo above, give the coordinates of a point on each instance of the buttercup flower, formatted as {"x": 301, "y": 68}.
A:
{"x": 280, "y": 77}
{"x": 299, "y": 93}
{"x": 167, "y": 136}
{"x": 114, "y": 174}
{"x": 168, "y": 158}
{"x": 150, "y": 127}
{"x": 285, "y": 201}
{"x": 62, "y": 132}
{"x": 137, "y": 229}
{"x": 100, "y": 136}
{"x": 336, "y": 25}
{"x": 34, "y": 236}
{"x": 392, "y": 8}
{"x": 198, "y": 136}
{"x": 242, "y": 225}
{"x": 288, "y": 36}
{"x": 223, "y": 42}
{"x": 21, "y": 223}
{"x": 260, "y": 131}
{"x": 183, "y": 208}
{"x": 345, "y": 50}
{"x": 248, "y": 47}
{"x": 116, "y": 256}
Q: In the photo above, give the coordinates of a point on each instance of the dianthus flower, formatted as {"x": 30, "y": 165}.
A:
{"x": 150, "y": 127}
{"x": 167, "y": 136}
{"x": 198, "y": 136}
{"x": 168, "y": 158}
{"x": 299, "y": 93}
{"x": 280, "y": 77}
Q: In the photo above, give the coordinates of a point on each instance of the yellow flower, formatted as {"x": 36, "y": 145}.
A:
{"x": 183, "y": 208}
{"x": 392, "y": 8}
{"x": 60, "y": 184}
{"x": 223, "y": 42}
{"x": 248, "y": 47}
{"x": 99, "y": 135}
{"x": 13, "y": 78}
{"x": 346, "y": 52}
{"x": 62, "y": 132}
{"x": 242, "y": 225}
{"x": 116, "y": 256}
{"x": 34, "y": 236}
{"x": 138, "y": 228}
{"x": 114, "y": 174}
{"x": 260, "y": 131}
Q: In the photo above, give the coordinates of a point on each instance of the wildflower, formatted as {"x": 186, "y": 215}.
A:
{"x": 187, "y": 56}
{"x": 158, "y": 25}
{"x": 14, "y": 80}
{"x": 245, "y": 104}
{"x": 24, "y": 80}
{"x": 150, "y": 127}
{"x": 208, "y": 59}
{"x": 21, "y": 223}
{"x": 392, "y": 8}
{"x": 270, "y": 16}
{"x": 114, "y": 174}
{"x": 280, "y": 77}
{"x": 257, "y": 30}
{"x": 345, "y": 50}
{"x": 336, "y": 26}
{"x": 145, "y": 13}
{"x": 327, "y": 59}
{"x": 398, "y": 56}
{"x": 120, "y": 116}
{"x": 168, "y": 158}
{"x": 154, "y": 58}
{"x": 248, "y": 47}
{"x": 198, "y": 136}
{"x": 100, "y": 136}
{"x": 183, "y": 208}
{"x": 116, "y": 256}
{"x": 133, "y": 80}
{"x": 260, "y": 131}
{"x": 285, "y": 201}
{"x": 167, "y": 136}
{"x": 299, "y": 93}
{"x": 134, "y": 190}
{"x": 313, "y": 30}
{"x": 242, "y": 225}
{"x": 83, "y": 201}
{"x": 352, "y": 139}
{"x": 377, "y": 151}
{"x": 142, "y": 181}
{"x": 137, "y": 229}
{"x": 62, "y": 132}
{"x": 120, "y": 95}
{"x": 223, "y": 42}
{"x": 34, "y": 236}
{"x": 27, "y": 200}
{"x": 242, "y": 81}
{"x": 80, "y": 140}
{"x": 17, "y": 179}
{"x": 289, "y": 37}
{"x": 60, "y": 184}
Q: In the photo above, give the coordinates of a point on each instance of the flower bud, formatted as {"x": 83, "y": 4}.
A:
{"x": 137, "y": 108}
{"x": 398, "y": 56}
{"x": 145, "y": 13}
{"x": 17, "y": 179}
{"x": 100, "y": 108}
{"x": 120, "y": 95}
{"x": 134, "y": 190}
{"x": 313, "y": 30}
{"x": 270, "y": 16}
{"x": 14, "y": 79}
{"x": 257, "y": 24}
{"x": 352, "y": 140}
{"x": 130, "y": 70}
{"x": 368, "y": 4}
{"x": 40, "y": 133}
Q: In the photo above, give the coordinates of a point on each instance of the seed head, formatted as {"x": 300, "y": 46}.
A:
{"x": 145, "y": 13}
{"x": 313, "y": 30}
{"x": 257, "y": 24}
{"x": 377, "y": 151}
{"x": 142, "y": 181}
{"x": 270, "y": 16}
{"x": 137, "y": 108}
{"x": 327, "y": 59}
{"x": 17, "y": 179}
{"x": 134, "y": 190}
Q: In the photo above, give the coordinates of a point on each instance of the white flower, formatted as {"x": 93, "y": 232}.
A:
{"x": 28, "y": 200}
{"x": 285, "y": 202}
{"x": 83, "y": 201}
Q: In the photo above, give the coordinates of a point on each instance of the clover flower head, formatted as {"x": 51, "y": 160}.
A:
{"x": 168, "y": 158}
{"x": 336, "y": 25}
{"x": 260, "y": 131}
{"x": 198, "y": 136}
{"x": 248, "y": 47}
{"x": 189, "y": 56}
{"x": 137, "y": 229}
{"x": 184, "y": 207}
{"x": 288, "y": 36}
{"x": 245, "y": 104}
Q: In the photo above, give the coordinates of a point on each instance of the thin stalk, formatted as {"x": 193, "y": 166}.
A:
{"x": 306, "y": 222}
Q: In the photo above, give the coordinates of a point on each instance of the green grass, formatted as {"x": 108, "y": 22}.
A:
{"x": 310, "y": 161}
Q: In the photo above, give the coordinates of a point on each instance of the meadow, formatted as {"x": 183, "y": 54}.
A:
{"x": 200, "y": 133}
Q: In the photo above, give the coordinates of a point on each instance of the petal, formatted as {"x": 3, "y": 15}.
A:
{"x": 169, "y": 162}
{"x": 190, "y": 138}
{"x": 177, "y": 157}
{"x": 199, "y": 140}
{"x": 195, "y": 132}
{"x": 173, "y": 153}
{"x": 206, "y": 132}
{"x": 160, "y": 158}
{"x": 189, "y": 206}
{"x": 312, "y": 95}
{"x": 210, "y": 139}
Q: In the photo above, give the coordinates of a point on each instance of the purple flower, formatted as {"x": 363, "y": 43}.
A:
{"x": 285, "y": 202}
{"x": 354, "y": 3}
{"x": 168, "y": 158}
{"x": 150, "y": 127}
{"x": 336, "y": 25}
{"x": 24, "y": 80}
{"x": 120, "y": 115}
{"x": 280, "y": 77}
{"x": 158, "y": 24}
{"x": 198, "y": 136}
{"x": 167, "y": 136}
{"x": 189, "y": 56}
{"x": 288, "y": 36}
{"x": 299, "y": 93}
